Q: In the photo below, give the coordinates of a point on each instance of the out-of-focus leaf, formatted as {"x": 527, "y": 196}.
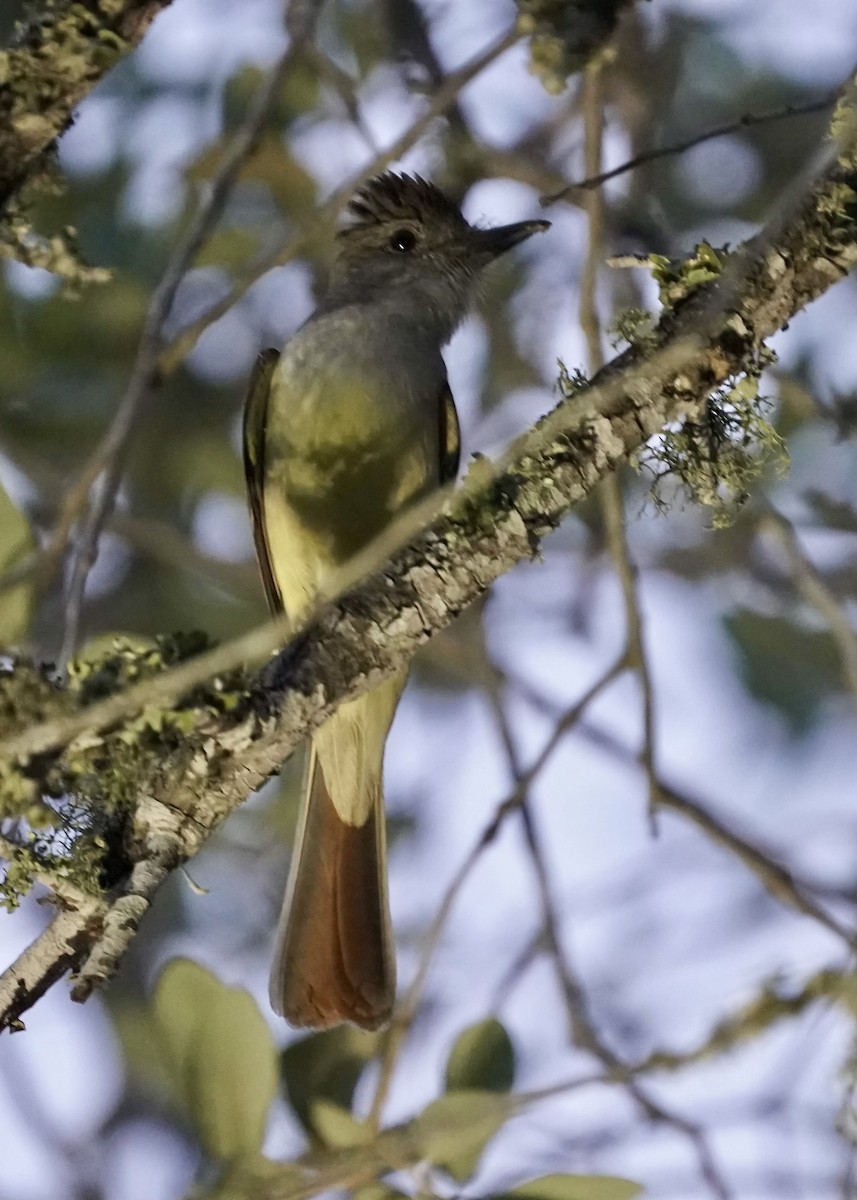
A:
{"x": 270, "y": 163}
{"x": 483, "y": 1058}
{"x": 325, "y": 1066}
{"x": 836, "y": 514}
{"x": 16, "y": 542}
{"x": 785, "y": 664}
{"x": 454, "y": 1130}
{"x": 575, "y": 1187}
{"x": 221, "y": 1057}
{"x": 298, "y": 94}
{"x": 228, "y": 247}
{"x": 146, "y": 1058}
{"x": 336, "y": 1127}
{"x": 377, "y": 1191}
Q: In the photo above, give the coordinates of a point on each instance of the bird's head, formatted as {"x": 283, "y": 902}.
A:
{"x": 408, "y": 241}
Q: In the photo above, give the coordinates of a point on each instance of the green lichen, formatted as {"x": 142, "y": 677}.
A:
{"x": 67, "y": 814}
{"x": 112, "y": 663}
{"x": 55, "y": 59}
{"x": 677, "y": 278}
{"x": 634, "y": 326}
{"x": 67, "y": 855}
{"x": 836, "y": 200}
{"x": 716, "y": 458}
{"x": 571, "y": 382}
{"x": 107, "y": 768}
{"x": 843, "y": 125}
{"x": 57, "y": 253}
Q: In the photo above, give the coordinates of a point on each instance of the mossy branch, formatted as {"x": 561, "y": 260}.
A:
{"x": 56, "y": 58}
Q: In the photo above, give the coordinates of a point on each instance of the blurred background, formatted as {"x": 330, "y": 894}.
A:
{"x": 664, "y": 933}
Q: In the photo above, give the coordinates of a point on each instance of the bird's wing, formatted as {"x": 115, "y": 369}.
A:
{"x": 255, "y": 421}
{"x": 449, "y": 437}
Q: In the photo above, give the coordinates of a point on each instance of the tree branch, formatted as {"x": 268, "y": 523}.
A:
{"x": 595, "y": 179}
{"x": 57, "y": 58}
{"x": 500, "y": 516}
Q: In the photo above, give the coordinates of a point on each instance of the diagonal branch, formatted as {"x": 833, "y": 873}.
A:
{"x": 58, "y": 57}
{"x": 499, "y": 518}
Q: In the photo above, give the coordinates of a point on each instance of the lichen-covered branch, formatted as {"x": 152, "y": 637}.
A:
{"x": 59, "y": 55}
{"x": 194, "y": 763}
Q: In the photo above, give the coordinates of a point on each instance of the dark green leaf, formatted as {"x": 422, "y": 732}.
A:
{"x": 575, "y": 1187}
{"x": 454, "y": 1130}
{"x": 835, "y": 514}
{"x": 377, "y": 1191}
{"x": 483, "y": 1058}
{"x": 325, "y": 1066}
{"x": 785, "y": 664}
{"x": 220, "y": 1055}
{"x": 336, "y": 1126}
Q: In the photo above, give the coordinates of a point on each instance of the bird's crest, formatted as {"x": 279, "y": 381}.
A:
{"x": 392, "y": 197}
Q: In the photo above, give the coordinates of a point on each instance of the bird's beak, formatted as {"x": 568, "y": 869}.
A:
{"x": 494, "y": 242}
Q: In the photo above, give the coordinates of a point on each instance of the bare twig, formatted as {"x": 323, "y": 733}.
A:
{"x": 442, "y": 99}
{"x": 610, "y": 492}
{"x": 407, "y": 1008}
{"x": 45, "y": 561}
{"x": 109, "y": 460}
{"x": 815, "y": 591}
{"x": 581, "y": 1028}
{"x": 594, "y": 179}
{"x": 778, "y": 880}
{"x": 584, "y": 1032}
{"x": 57, "y": 949}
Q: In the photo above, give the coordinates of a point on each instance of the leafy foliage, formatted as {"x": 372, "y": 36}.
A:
{"x": 321, "y": 1072}
{"x": 483, "y": 1057}
{"x": 220, "y": 1055}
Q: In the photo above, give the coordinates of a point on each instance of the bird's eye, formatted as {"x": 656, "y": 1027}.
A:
{"x": 404, "y": 240}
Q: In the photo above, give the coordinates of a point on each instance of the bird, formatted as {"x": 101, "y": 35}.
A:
{"x": 351, "y": 423}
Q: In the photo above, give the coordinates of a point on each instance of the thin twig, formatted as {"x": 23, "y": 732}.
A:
{"x": 109, "y": 460}
{"x": 778, "y": 880}
{"x": 597, "y": 178}
{"x": 584, "y": 1033}
{"x": 43, "y": 562}
{"x": 441, "y": 100}
{"x": 815, "y": 591}
{"x": 581, "y": 1028}
{"x": 407, "y": 1008}
{"x": 610, "y": 492}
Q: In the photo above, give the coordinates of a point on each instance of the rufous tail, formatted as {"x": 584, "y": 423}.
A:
{"x": 334, "y": 958}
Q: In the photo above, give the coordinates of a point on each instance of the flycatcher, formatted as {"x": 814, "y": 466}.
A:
{"x": 352, "y": 422}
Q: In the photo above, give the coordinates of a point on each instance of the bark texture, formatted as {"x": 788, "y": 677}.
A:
{"x": 55, "y": 60}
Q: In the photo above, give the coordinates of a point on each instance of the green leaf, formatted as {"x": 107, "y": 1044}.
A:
{"x": 454, "y": 1130}
{"x": 785, "y": 664}
{"x": 575, "y": 1187}
{"x": 16, "y": 542}
{"x": 221, "y": 1057}
{"x": 482, "y": 1059}
{"x": 325, "y": 1066}
{"x": 336, "y": 1126}
{"x": 377, "y": 1191}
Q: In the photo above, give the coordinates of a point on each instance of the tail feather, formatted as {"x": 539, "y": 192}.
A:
{"x": 334, "y": 959}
